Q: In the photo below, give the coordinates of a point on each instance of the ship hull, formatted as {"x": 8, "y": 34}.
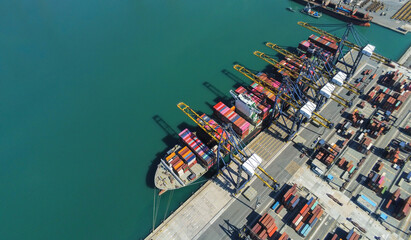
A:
{"x": 165, "y": 179}
{"x": 343, "y": 17}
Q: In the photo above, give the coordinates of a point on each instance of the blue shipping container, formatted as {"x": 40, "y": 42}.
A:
{"x": 314, "y": 222}
{"x": 295, "y": 203}
{"x": 314, "y": 205}
{"x": 309, "y": 201}
{"x": 275, "y": 205}
{"x": 302, "y": 230}
{"x": 307, "y": 231}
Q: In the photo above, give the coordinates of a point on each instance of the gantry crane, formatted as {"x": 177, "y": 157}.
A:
{"x": 300, "y": 107}
{"x": 322, "y": 91}
{"x": 326, "y": 71}
{"x": 367, "y": 50}
{"x": 240, "y": 155}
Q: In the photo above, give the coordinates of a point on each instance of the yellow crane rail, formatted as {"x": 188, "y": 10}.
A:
{"x": 304, "y": 79}
{"x": 349, "y": 44}
{"x": 214, "y": 133}
{"x": 287, "y": 99}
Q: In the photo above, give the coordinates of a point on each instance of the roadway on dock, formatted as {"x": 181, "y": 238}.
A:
{"x": 242, "y": 211}
{"x": 213, "y": 213}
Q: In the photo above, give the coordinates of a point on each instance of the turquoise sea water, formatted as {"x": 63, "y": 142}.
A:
{"x": 85, "y": 87}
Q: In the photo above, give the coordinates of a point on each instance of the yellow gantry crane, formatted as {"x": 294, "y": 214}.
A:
{"x": 313, "y": 85}
{"x": 349, "y": 44}
{"x": 292, "y": 102}
{"x": 324, "y": 74}
{"x": 213, "y": 133}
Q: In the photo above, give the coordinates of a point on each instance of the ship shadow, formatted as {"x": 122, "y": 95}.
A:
{"x": 170, "y": 140}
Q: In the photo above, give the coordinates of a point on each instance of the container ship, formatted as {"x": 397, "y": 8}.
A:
{"x": 196, "y": 153}
{"x": 340, "y": 12}
{"x": 250, "y": 112}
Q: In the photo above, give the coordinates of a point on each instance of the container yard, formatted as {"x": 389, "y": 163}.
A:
{"x": 333, "y": 165}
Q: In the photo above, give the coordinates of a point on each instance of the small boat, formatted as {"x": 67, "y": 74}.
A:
{"x": 290, "y": 9}
{"x": 308, "y": 10}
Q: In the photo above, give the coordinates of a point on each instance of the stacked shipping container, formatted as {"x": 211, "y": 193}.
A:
{"x": 203, "y": 153}
{"x": 177, "y": 163}
{"x": 265, "y": 227}
{"x": 240, "y": 126}
{"x": 324, "y": 43}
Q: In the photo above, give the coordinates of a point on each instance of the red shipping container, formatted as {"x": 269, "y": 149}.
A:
{"x": 263, "y": 218}
{"x": 279, "y": 209}
{"x": 256, "y": 229}
{"x": 271, "y": 233}
{"x": 299, "y": 226}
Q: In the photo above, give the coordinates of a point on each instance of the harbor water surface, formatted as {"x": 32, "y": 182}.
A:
{"x": 88, "y": 93}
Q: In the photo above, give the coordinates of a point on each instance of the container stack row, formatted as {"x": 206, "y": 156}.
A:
{"x": 324, "y": 43}
{"x": 177, "y": 164}
{"x": 376, "y": 127}
{"x": 376, "y": 181}
{"x": 260, "y": 90}
{"x": 274, "y": 83}
{"x": 390, "y": 78}
{"x": 289, "y": 196}
{"x": 265, "y": 227}
{"x": 352, "y": 235}
{"x": 187, "y": 156}
{"x": 307, "y": 217}
{"x": 309, "y": 47}
{"x": 227, "y": 115}
{"x": 204, "y": 154}
{"x": 398, "y": 207}
{"x": 213, "y": 124}
{"x": 327, "y": 156}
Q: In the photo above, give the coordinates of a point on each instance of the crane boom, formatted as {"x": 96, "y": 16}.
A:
{"x": 347, "y": 43}
{"x": 304, "y": 79}
{"x": 286, "y": 53}
{"x": 283, "y": 51}
{"x": 216, "y": 136}
{"x": 287, "y": 99}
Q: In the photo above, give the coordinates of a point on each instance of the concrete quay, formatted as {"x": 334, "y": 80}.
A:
{"x": 213, "y": 212}
{"x": 405, "y": 59}
{"x": 383, "y": 17}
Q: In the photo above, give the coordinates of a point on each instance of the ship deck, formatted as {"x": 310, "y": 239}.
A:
{"x": 166, "y": 181}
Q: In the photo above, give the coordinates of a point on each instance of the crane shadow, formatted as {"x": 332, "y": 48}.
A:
{"x": 220, "y": 96}
{"x": 230, "y": 229}
{"x": 170, "y": 139}
{"x": 232, "y": 76}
